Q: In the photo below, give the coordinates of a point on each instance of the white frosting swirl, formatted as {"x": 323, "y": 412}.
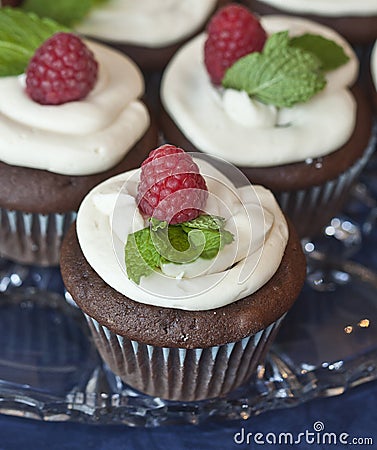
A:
{"x": 81, "y": 137}
{"x": 109, "y": 213}
{"x": 326, "y": 7}
{"x": 248, "y": 133}
{"x": 148, "y": 23}
{"x": 373, "y": 65}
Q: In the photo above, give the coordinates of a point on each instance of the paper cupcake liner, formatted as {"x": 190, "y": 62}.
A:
{"x": 178, "y": 373}
{"x": 311, "y": 209}
{"x": 32, "y": 238}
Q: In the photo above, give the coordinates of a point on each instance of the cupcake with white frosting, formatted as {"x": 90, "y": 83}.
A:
{"x": 149, "y": 32}
{"x": 65, "y": 126}
{"x": 284, "y": 114}
{"x": 183, "y": 276}
{"x": 356, "y": 20}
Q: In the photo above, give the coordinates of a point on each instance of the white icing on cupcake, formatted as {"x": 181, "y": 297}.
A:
{"x": 147, "y": 23}
{"x": 109, "y": 213}
{"x": 373, "y": 65}
{"x": 249, "y": 133}
{"x": 81, "y": 137}
{"x": 326, "y": 7}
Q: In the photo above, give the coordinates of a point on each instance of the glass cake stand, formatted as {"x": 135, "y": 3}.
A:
{"x": 50, "y": 369}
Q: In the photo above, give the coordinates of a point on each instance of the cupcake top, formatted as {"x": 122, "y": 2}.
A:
{"x": 232, "y": 125}
{"x": 148, "y": 23}
{"x": 252, "y": 225}
{"x": 80, "y": 137}
{"x": 326, "y": 7}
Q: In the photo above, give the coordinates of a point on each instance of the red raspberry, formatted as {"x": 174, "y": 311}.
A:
{"x": 233, "y": 32}
{"x": 171, "y": 188}
{"x": 62, "y": 70}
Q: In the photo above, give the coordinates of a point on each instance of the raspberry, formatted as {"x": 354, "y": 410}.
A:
{"x": 233, "y": 32}
{"x": 171, "y": 188}
{"x": 62, "y": 70}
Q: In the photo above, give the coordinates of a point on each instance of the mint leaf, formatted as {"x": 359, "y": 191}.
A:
{"x": 213, "y": 231}
{"x": 20, "y": 35}
{"x": 177, "y": 246}
{"x": 205, "y": 222}
{"x": 276, "y": 40}
{"x": 141, "y": 255}
{"x": 215, "y": 241}
{"x": 149, "y": 248}
{"x": 12, "y": 59}
{"x": 157, "y": 224}
{"x": 178, "y": 238}
{"x": 67, "y": 12}
{"x": 281, "y": 75}
{"x": 328, "y": 52}
{"x": 135, "y": 265}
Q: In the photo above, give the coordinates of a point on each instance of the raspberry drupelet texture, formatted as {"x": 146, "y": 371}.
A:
{"x": 171, "y": 188}
{"x": 233, "y": 32}
{"x": 63, "y": 69}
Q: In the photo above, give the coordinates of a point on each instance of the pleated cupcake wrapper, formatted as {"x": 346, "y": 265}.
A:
{"x": 178, "y": 373}
{"x": 311, "y": 209}
{"x": 32, "y": 238}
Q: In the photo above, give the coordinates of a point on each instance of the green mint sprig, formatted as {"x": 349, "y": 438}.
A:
{"x": 20, "y": 35}
{"x": 287, "y": 71}
{"x": 148, "y": 249}
{"x": 67, "y": 12}
{"x": 328, "y": 52}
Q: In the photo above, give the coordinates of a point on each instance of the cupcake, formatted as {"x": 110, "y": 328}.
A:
{"x": 182, "y": 276}
{"x": 149, "y": 31}
{"x": 287, "y": 112}
{"x": 53, "y": 148}
{"x": 356, "y": 20}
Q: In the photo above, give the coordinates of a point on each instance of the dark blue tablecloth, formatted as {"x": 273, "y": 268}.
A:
{"x": 354, "y": 413}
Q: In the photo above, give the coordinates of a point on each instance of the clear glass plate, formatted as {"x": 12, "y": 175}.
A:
{"x": 50, "y": 370}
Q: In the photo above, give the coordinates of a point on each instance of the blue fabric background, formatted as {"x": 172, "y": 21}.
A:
{"x": 354, "y": 412}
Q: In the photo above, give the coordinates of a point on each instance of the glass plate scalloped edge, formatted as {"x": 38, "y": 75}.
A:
{"x": 101, "y": 398}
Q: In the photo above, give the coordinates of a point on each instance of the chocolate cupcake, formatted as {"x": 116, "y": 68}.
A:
{"x": 51, "y": 155}
{"x": 173, "y": 324}
{"x": 308, "y": 153}
{"x": 356, "y": 20}
{"x": 149, "y": 32}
